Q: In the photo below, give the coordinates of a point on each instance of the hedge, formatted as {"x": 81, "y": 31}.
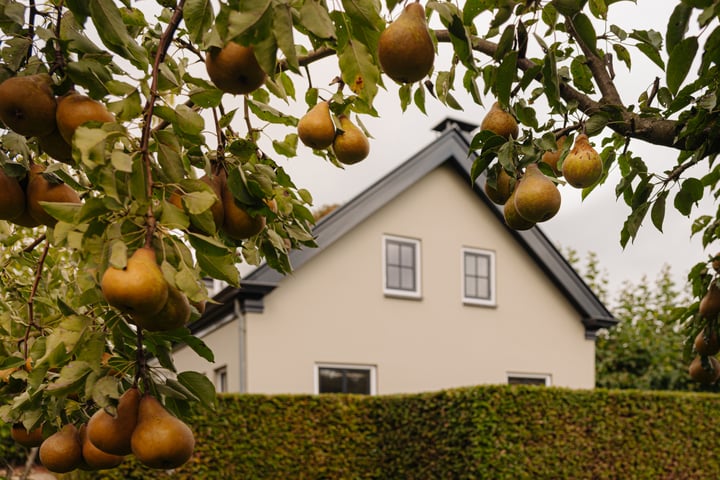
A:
{"x": 486, "y": 432}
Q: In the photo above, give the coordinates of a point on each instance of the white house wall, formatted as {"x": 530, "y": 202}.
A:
{"x": 332, "y": 310}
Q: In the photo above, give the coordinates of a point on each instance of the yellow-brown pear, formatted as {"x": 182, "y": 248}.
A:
{"x": 12, "y": 197}
{"x": 350, "y": 144}
{"x": 500, "y": 122}
{"x": 238, "y": 223}
{"x": 75, "y": 109}
{"x": 536, "y": 197}
{"x": 161, "y": 440}
{"x": 92, "y": 457}
{"x": 56, "y": 147}
{"x": 503, "y": 188}
{"x": 234, "y": 69}
{"x": 707, "y": 342}
{"x": 111, "y": 434}
{"x": 27, "y": 105}
{"x": 30, "y": 439}
{"x": 139, "y": 288}
{"x": 583, "y": 166}
{"x": 217, "y": 210}
{"x": 513, "y": 218}
{"x": 405, "y": 49}
{"x": 710, "y": 302}
{"x": 174, "y": 314}
{"x": 40, "y": 189}
{"x": 61, "y": 452}
{"x": 552, "y": 157}
{"x": 316, "y": 128}
{"x": 705, "y": 372}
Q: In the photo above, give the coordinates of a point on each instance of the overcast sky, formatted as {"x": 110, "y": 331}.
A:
{"x": 593, "y": 225}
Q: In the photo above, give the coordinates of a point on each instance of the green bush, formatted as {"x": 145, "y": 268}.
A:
{"x": 494, "y": 432}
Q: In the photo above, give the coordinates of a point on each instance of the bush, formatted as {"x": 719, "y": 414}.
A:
{"x": 498, "y": 432}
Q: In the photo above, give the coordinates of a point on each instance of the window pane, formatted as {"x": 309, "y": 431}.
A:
{"x": 393, "y": 277}
{"x": 392, "y": 253}
{"x": 483, "y": 288}
{"x": 483, "y": 265}
{"x": 344, "y": 380}
{"x": 470, "y": 264}
{"x": 331, "y": 380}
{"x": 407, "y": 255}
{"x": 358, "y": 381}
{"x": 407, "y": 279}
{"x": 470, "y": 287}
{"x": 526, "y": 381}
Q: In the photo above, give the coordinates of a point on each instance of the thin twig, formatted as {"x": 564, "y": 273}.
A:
{"x": 31, "y": 298}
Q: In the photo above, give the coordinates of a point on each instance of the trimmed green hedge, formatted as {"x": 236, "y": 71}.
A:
{"x": 497, "y": 432}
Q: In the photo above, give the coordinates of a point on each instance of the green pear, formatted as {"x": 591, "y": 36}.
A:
{"x": 536, "y": 197}
{"x": 139, "y": 288}
{"x": 350, "y": 145}
{"x": 405, "y": 49}
{"x": 316, "y": 128}
{"x": 500, "y": 122}
{"x": 582, "y": 166}
{"x": 160, "y": 440}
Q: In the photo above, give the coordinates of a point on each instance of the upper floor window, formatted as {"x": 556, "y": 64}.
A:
{"x": 401, "y": 262}
{"x": 345, "y": 379}
{"x": 478, "y": 269}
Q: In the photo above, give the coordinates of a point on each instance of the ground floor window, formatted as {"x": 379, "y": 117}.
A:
{"x": 221, "y": 380}
{"x": 339, "y": 378}
{"x": 542, "y": 379}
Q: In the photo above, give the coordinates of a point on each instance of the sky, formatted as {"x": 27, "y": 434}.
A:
{"x": 592, "y": 225}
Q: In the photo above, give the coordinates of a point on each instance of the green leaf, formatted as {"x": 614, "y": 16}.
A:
{"x": 219, "y": 267}
{"x": 315, "y": 18}
{"x": 599, "y": 9}
{"x": 677, "y": 26}
{"x": 110, "y": 27}
{"x": 680, "y": 61}
{"x": 62, "y": 211}
{"x": 585, "y": 30}
{"x": 169, "y": 155}
{"x": 581, "y": 74}
{"x": 288, "y": 146}
{"x": 198, "y": 16}
{"x": 270, "y": 114}
{"x": 283, "y": 30}
{"x": 249, "y": 14}
{"x": 209, "y": 245}
{"x": 359, "y": 70}
{"x": 505, "y": 77}
{"x": 200, "y": 386}
{"x": 657, "y": 213}
{"x": 691, "y": 192}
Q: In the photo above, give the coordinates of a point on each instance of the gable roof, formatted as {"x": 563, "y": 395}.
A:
{"x": 452, "y": 147}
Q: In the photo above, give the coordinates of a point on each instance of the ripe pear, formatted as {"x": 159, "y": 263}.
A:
{"x": 707, "y": 372}
{"x": 75, "y": 109}
{"x": 536, "y": 197}
{"x": 12, "y": 197}
{"x": 710, "y": 303}
{"x": 707, "y": 342}
{"x": 503, "y": 188}
{"x": 56, "y": 147}
{"x": 405, "y": 49}
{"x": 27, "y": 105}
{"x": 161, "y": 440}
{"x": 174, "y": 314}
{"x": 513, "y": 218}
{"x": 93, "y": 457}
{"x": 234, "y": 69}
{"x": 111, "y": 434}
{"x": 30, "y": 439}
{"x": 217, "y": 210}
{"x": 61, "y": 452}
{"x": 40, "y": 189}
{"x": 583, "y": 166}
{"x": 552, "y": 157}
{"x": 139, "y": 288}
{"x": 715, "y": 263}
{"x": 316, "y": 128}
{"x": 500, "y": 122}
{"x": 237, "y": 223}
{"x": 350, "y": 144}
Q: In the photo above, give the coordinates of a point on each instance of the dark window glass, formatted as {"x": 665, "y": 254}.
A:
{"x": 400, "y": 265}
{"x": 477, "y": 276}
{"x": 526, "y": 381}
{"x": 344, "y": 380}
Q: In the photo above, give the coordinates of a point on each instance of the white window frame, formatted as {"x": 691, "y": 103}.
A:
{"x": 489, "y": 302}
{"x": 346, "y": 366}
{"x": 218, "y": 380}
{"x": 394, "y": 292}
{"x": 534, "y": 376}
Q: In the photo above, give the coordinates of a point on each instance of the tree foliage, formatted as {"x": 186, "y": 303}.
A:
{"x": 550, "y": 63}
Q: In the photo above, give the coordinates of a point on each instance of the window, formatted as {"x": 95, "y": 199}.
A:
{"x": 401, "y": 262}
{"x": 478, "y": 283}
{"x": 221, "y": 380}
{"x": 542, "y": 379}
{"x": 345, "y": 379}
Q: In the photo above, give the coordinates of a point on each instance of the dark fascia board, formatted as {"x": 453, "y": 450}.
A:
{"x": 450, "y": 146}
{"x": 250, "y": 296}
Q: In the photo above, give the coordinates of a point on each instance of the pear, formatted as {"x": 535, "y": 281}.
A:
{"x": 40, "y": 189}
{"x": 500, "y": 122}
{"x": 316, "y": 128}
{"x": 512, "y": 217}
{"x": 75, "y": 109}
{"x": 405, "y": 49}
{"x": 350, "y": 145}
{"x": 139, "y": 288}
{"x": 234, "y": 69}
{"x": 30, "y": 439}
{"x": 503, "y": 188}
{"x": 536, "y": 197}
{"x": 217, "y": 210}
{"x": 707, "y": 342}
{"x": 583, "y": 166}
{"x": 56, "y": 147}
{"x": 552, "y": 157}
{"x": 12, "y": 197}
{"x": 161, "y": 440}
{"x": 174, "y": 314}
{"x": 27, "y": 105}
{"x": 715, "y": 263}
{"x": 61, "y": 452}
{"x": 706, "y": 372}
{"x": 111, "y": 434}
{"x": 93, "y": 458}
{"x": 238, "y": 224}
{"x": 710, "y": 303}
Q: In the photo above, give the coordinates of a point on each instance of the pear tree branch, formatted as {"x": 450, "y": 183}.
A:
{"x": 31, "y": 298}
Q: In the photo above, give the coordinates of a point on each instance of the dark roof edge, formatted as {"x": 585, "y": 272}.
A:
{"x": 250, "y": 295}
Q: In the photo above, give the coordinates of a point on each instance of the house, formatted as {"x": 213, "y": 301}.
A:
{"x": 417, "y": 285}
